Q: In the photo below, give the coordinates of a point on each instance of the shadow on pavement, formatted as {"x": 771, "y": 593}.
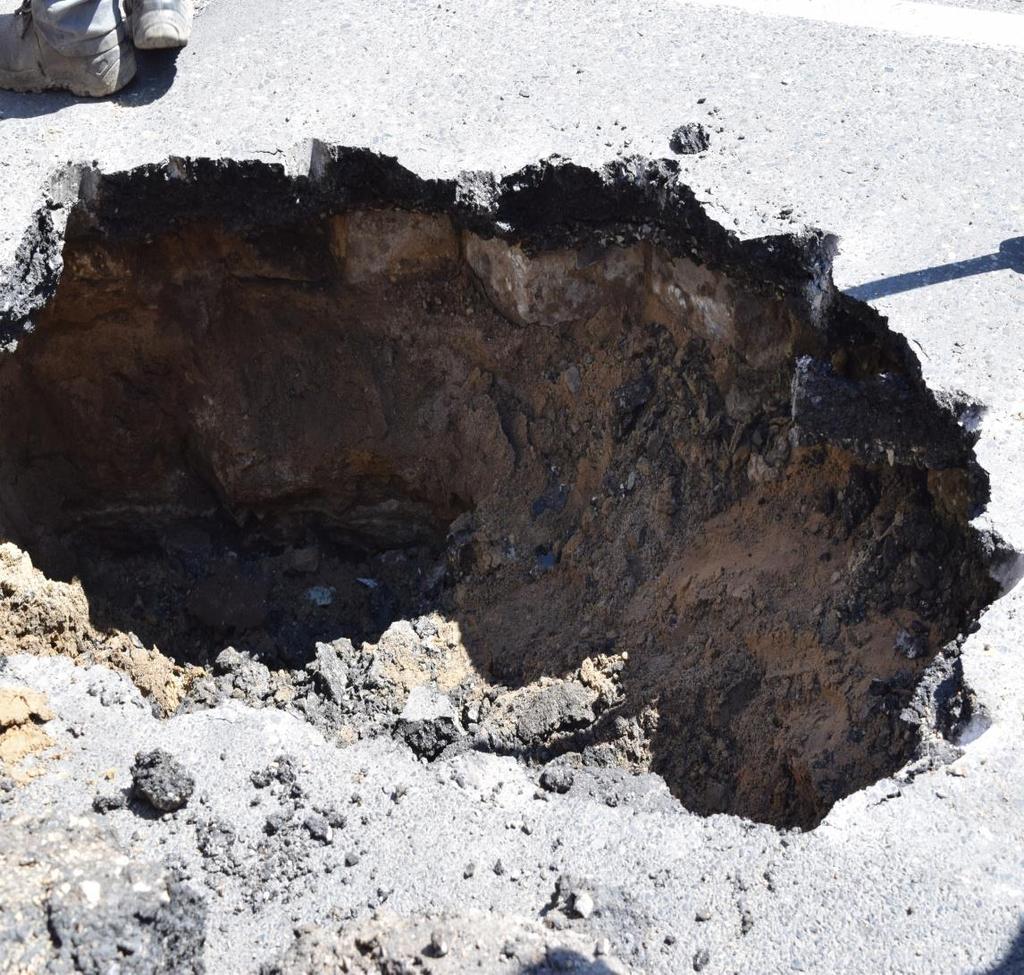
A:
{"x": 1009, "y": 256}
{"x": 156, "y": 72}
{"x": 1013, "y": 962}
{"x": 155, "y": 75}
{"x": 16, "y": 104}
{"x": 566, "y": 960}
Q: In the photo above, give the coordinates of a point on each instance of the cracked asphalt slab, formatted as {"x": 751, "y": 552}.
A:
{"x": 909, "y": 149}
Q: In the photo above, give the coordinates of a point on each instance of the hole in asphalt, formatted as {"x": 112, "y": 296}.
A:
{"x": 719, "y": 531}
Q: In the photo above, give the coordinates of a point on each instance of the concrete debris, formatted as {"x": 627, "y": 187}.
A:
{"x": 470, "y": 942}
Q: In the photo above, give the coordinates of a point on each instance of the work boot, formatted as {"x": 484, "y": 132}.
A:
{"x": 161, "y": 23}
{"x": 28, "y": 63}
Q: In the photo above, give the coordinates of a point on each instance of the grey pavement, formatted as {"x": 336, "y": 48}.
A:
{"x": 909, "y": 149}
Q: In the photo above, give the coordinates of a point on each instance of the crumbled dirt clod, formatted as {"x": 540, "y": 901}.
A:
{"x": 109, "y": 802}
{"x": 429, "y": 722}
{"x": 22, "y": 714}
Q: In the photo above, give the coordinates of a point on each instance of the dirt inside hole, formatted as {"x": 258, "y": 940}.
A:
{"x": 267, "y": 436}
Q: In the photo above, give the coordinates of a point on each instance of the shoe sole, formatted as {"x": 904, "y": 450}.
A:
{"x": 23, "y": 81}
{"x": 161, "y": 29}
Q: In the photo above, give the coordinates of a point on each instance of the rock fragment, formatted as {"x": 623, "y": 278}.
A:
{"x": 438, "y": 945}
{"x": 583, "y": 904}
{"x": 250, "y": 679}
{"x": 572, "y": 898}
{"x": 318, "y": 828}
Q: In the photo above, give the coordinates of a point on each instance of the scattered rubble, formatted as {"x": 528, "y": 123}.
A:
{"x": 73, "y": 902}
{"x": 43, "y": 616}
{"x": 557, "y": 778}
{"x": 390, "y": 943}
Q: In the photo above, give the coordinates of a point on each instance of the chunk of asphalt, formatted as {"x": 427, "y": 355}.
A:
{"x": 557, "y": 778}
{"x": 161, "y": 780}
{"x": 429, "y": 722}
{"x": 329, "y": 668}
{"x": 689, "y": 139}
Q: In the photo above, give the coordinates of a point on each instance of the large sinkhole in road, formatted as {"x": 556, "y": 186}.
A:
{"x": 577, "y": 418}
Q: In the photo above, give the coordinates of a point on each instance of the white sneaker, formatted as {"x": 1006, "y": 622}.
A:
{"x": 161, "y": 23}
{"x": 28, "y": 63}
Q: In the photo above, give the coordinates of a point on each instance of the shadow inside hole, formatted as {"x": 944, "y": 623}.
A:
{"x": 272, "y": 588}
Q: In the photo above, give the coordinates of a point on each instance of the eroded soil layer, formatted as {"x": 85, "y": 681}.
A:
{"x": 667, "y": 488}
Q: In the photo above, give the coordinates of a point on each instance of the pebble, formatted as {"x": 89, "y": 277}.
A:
{"x": 275, "y": 822}
{"x": 321, "y": 596}
{"x": 583, "y": 904}
{"x": 107, "y": 803}
{"x": 318, "y": 827}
